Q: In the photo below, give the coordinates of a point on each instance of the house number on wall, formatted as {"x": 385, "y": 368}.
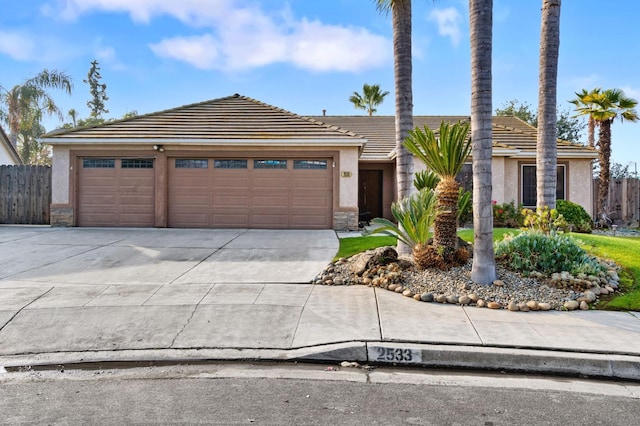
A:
{"x": 400, "y": 355}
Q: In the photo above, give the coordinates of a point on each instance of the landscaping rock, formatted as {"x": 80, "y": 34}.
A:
{"x": 371, "y": 258}
{"x": 513, "y": 307}
{"x": 571, "y": 305}
{"x": 522, "y": 307}
{"x": 544, "y": 306}
{"x": 452, "y": 299}
{"x": 494, "y": 305}
{"x": 426, "y": 297}
{"x": 481, "y": 303}
{"x": 464, "y": 300}
{"x": 584, "y": 306}
{"x": 441, "y": 298}
{"x": 533, "y": 305}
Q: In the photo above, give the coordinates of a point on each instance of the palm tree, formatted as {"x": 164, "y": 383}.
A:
{"x": 370, "y": 98}
{"x": 445, "y": 155}
{"x": 483, "y": 270}
{"x": 604, "y": 106}
{"x": 23, "y": 99}
{"x": 547, "y": 145}
{"x": 74, "y": 116}
{"x": 581, "y": 101}
{"x": 401, "y": 21}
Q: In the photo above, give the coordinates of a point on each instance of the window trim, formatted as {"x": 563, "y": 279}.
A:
{"x": 565, "y": 185}
{"x": 311, "y": 164}
{"x": 94, "y": 163}
{"x": 191, "y": 163}
{"x": 270, "y": 164}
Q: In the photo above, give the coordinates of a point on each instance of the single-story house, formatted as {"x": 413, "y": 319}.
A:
{"x": 513, "y": 163}
{"x": 238, "y": 162}
{"x": 8, "y": 154}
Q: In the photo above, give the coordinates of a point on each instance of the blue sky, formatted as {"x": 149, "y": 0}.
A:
{"x": 306, "y": 56}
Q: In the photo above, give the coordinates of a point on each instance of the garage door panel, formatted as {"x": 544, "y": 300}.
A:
{"x": 230, "y": 219}
{"x": 231, "y": 201}
{"x": 235, "y": 194}
{"x": 109, "y": 195}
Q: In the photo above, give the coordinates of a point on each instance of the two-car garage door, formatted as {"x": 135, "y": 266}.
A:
{"x": 208, "y": 192}
{"x": 250, "y": 192}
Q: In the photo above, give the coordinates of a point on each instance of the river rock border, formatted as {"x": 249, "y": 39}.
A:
{"x": 383, "y": 268}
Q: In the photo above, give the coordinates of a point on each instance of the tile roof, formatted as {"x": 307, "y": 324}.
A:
{"x": 230, "y": 119}
{"x": 511, "y": 136}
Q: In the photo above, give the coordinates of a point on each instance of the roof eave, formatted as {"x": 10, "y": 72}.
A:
{"x": 184, "y": 141}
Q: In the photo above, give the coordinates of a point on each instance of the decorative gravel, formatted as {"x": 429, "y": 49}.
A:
{"x": 511, "y": 290}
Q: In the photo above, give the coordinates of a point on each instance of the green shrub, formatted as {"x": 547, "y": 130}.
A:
{"x": 533, "y": 250}
{"x": 575, "y": 215}
{"x": 415, "y": 216}
{"x": 545, "y": 220}
{"x": 507, "y": 215}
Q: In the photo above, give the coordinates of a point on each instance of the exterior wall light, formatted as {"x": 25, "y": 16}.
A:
{"x": 159, "y": 148}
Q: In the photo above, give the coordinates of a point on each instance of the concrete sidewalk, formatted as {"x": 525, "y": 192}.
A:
{"x": 90, "y": 295}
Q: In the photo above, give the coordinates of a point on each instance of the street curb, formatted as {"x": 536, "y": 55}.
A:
{"x": 384, "y": 353}
{"x": 510, "y": 359}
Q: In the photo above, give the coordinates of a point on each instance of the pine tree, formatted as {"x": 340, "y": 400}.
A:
{"x": 98, "y": 91}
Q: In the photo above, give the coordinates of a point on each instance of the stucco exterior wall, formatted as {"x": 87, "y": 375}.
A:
{"x": 60, "y": 171}
{"x": 499, "y": 181}
{"x": 580, "y": 183}
{"x": 5, "y": 157}
{"x": 509, "y": 184}
{"x": 348, "y": 178}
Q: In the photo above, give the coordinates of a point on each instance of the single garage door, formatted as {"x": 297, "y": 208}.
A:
{"x": 251, "y": 192}
{"x": 116, "y": 192}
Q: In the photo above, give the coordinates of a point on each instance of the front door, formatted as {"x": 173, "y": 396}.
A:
{"x": 370, "y": 192}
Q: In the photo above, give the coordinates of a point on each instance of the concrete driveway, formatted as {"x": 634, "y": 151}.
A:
{"x": 95, "y": 257}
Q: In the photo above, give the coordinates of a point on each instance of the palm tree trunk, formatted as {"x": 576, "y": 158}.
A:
{"x": 401, "y": 19}
{"x": 547, "y": 147}
{"x": 591, "y": 132}
{"x": 483, "y": 270}
{"x": 445, "y": 235}
{"x": 604, "y": 158}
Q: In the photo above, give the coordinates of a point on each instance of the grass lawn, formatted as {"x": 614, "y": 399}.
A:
{"x": 623, "y": 250}
{"x": 354, "y": 245}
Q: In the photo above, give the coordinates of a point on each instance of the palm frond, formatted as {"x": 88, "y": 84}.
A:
{"x": 446, "y": 153}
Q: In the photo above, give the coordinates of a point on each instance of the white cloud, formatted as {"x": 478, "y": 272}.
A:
{"x": 199, "y": 51}
{"x": 188, "y": 11}
{"x": 241, "y": 35}
{"x": 448, "y": 21}
{"x": 18, "y": 46}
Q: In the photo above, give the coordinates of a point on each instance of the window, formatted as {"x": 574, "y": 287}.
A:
{"x": 230, "y": 164}
{"x": 98, "y": 163}
{"x": 310, "y": 164}
{"x": 269, "y": 164}
{"x": 146, "y": 163}
{"x": 465, "y": 177}
{"x": 528, "y": 179}
{"x": 187, "y": 163}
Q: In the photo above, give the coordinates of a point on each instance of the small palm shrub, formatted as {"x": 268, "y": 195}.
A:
{"x": 575, "y": 215}
{"x": 426, "y": 179}
{"x": 415, "y": 216}
{"x": 547, "y": 253}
